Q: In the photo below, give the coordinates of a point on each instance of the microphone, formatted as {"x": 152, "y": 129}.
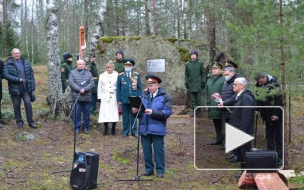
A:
{"x": 83, "y": 83}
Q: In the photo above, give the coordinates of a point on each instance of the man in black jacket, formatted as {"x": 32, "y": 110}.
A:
{"x": 21, "y": 84}
{"x": 243, "y": 117}
{"x": 272, "y": 116}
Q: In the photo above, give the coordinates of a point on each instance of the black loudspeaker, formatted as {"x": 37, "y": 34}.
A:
{"x": 260, "y": 160}
{"x": 85, "y": 170}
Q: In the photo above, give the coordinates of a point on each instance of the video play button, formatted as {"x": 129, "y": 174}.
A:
{"x": 235, "y": 138}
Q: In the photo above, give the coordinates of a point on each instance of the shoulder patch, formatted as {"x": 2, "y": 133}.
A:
{"x": 121, "y": 73}
{"x": 62, "y": 69}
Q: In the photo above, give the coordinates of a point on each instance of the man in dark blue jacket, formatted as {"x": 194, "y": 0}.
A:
{"x": 21, "y": 84}
{"x": 153, "y": 125}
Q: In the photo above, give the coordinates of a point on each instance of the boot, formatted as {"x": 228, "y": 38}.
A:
{"x": 199, "y": 113}
{"x": 192, "y": 112}
{"x": 113, "y": 129}
{"x": 105, "y": 132}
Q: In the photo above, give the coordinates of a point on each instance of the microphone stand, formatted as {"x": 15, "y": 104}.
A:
{"x": 137, "y": 177}
{"x": 74, "y": 137}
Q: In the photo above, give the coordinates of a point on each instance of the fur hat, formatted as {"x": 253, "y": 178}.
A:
{"x": 193, "y": 52}
{"x": 119, "y": 51}
{"x": 67, "y": 55}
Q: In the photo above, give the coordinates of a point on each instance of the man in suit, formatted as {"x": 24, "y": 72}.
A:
{"x": 128, "y": 84}
{"x": 243, "y": 117}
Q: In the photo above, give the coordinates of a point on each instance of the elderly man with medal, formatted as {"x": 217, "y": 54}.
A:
{"x": 128, "y": 84}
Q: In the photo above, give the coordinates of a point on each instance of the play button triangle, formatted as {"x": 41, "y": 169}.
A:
{"x": 235, "y": 138}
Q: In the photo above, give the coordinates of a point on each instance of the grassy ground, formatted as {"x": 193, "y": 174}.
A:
{"x": 31, "y": 164}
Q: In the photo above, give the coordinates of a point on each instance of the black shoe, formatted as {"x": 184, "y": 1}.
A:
{"x": 160, "y": 175}
{"x": 77, "y": 131}
{"x": 222, "y": 147}
{"x": 124, "y": 135}
{"x": 215, "y": 143}
{"x": 230, "y": 157}
{"x": 20, "y": 126}
{"x": 33, "y": 125}
{"x": 86, "y": 131}
{"x": 148, "y": 173}
{"x": 234, "y": 159}
{"x": 135, "y": 135}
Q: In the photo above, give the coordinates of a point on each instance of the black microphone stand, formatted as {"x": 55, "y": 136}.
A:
{"x": 137, "y": 177}
{"x": 74, "y": 137}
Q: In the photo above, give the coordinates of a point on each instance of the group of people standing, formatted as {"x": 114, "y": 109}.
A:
{"x": 232, "y": 88}
{"x": 113, "y": 88}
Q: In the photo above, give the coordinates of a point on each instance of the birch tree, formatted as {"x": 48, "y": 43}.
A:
{"x": 95, "y": 30}
{"x": 53, "y": 63}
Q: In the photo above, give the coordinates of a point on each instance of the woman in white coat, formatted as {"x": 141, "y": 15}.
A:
{"x": 106, "y": 92}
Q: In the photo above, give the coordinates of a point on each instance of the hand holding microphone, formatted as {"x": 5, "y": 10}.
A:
{"x": 83, "y": 83}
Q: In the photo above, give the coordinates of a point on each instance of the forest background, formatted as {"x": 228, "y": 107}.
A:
{"x": 259, "y": 35}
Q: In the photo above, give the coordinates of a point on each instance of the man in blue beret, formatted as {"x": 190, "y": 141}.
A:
{"x": 128, "y": 84}
{"x": 153, "y": 125}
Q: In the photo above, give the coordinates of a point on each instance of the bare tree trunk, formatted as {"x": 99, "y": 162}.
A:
{"x": 147, "y": 18}
{"x": 86, "y": 19}
{"x": 54, "y": 76}
{"x": 33, "y": 34}
{"x": 155, "y": 18}
{"x": 178, "y": 19}
{"x": 283, "y": 91}
{"x": 96, "y": 31}
{"x": 3, "y": 28}
{"x": 69, "y": 26}
{"x": 212, "y": 37}
{"x": 117, "y": 17}
{"x": 26, "y": 31}
{"x": 124, "y": 20}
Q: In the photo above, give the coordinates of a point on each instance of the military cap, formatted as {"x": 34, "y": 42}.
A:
{"x": 193, "y": 52}
{"x": 119, "y": 51}
{"x": 128, "y": 62}
{"x": 67, "y": 55}
{"x": 217, "y": 65}
{"x": 152, "y": 79}
{"x": 230, "y": 63}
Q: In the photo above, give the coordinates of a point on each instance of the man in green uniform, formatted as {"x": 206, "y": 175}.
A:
{"x": 118, "y": 63}
{"x": 66, "y": 68}
{"x": 195, "y": 81}
{"x": 128, "y": 84}
{"x": 214, "y": 85}
{"x": 94, "y": 71}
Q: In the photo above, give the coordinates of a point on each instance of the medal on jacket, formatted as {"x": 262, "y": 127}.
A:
{"x": 134, "y": 82}
{"x": 123, "y": 81}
